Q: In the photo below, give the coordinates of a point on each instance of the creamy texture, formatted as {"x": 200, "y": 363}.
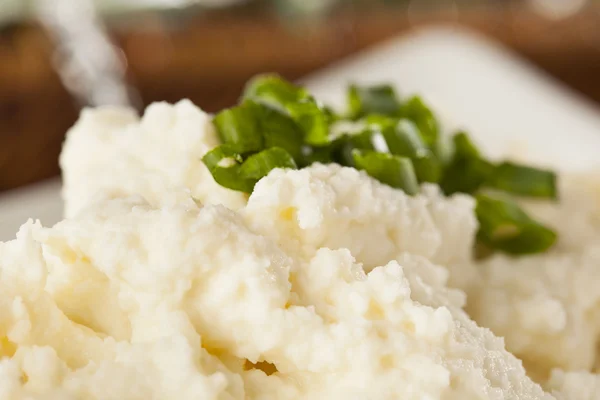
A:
{"x": 111, "y": 152}
{"x": 548, "y": 306}
{"x": 574, "y": 385}
{"x": 323, "y": 284}
{"x": 133, "y": 302}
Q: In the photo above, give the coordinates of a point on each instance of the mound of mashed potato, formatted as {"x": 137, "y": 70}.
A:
{"x": 322, "y": 284}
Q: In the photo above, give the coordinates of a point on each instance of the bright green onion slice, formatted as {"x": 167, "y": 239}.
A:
{"x": 378, "y": 99}
{"x": 223, "y": 162}
{"x": 312, "y": 120}
{"x": 417, "y": 111}
{"x": 344, "y": 146}
{"x": 260, "y": 164}
{"x": 523, "y": 180}
{"x": 279, "y": 130}
{"x": 238, "y": 128}
{"x": 330, "y": 114}
{"x": 468, "y": 171}
{"x": 274, "y": 91}
{"x": 464, "y": 146}
{"x": 294, "y": 101}
{"x": 504, "y": 226}
{"x": 228, "y": 169}
{"x": 403, "y": 139}
{"x": 392, "y": 170}
{"x": 279, "y": 125}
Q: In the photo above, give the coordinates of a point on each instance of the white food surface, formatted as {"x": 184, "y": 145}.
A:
{"x": 133, "y": 300}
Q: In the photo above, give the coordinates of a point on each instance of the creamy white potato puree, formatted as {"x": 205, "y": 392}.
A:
{"x": 323, "y": 284}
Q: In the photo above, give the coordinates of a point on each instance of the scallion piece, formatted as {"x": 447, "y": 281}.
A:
{"x": 464, "y": 147}
{"x": 275, "y": 91}
{"x": 523, "y": 180}
{"x": 312, "y": 120}
{"x": 323, "y": 155}
{"x": 379, "y": 121}
{"x": 392, "y": 170}
{"x": 345, "y": 145}
{"x": 280, "y": 125}
{"x": 330, "y": 114}
{"x": 260, "y": 164}
{"x": 279, "y": 130}
{"x": 403, "y": 139}
{"x": 223, "y": 162}
{"x": 468, "y": 171}
{"x": 238, "y": 128}
{"x": 296, "y": 102}
{"x": 417, "y": 111}
{"x": 378, "y": 99}
{"x": 229, "y": 170}
{"x": 504, "y": 226}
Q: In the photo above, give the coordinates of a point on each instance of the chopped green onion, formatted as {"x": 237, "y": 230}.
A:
{"x": 279, "y": 125}
{"x": 228, "y": 169}
{"x": 223, "y": 162}
{"x": 379, "y": 121}
{"x": 468, "y": 171}
{"x": 280, "y": 130}
{"x": 274, "y": 91}
{"x": 415, "y": 110}
{"x": 260, "y": 164}
{"x": 294, "y": 101}
{"x": 378, "y": 99}
{"x": 344, "y": 146}
{"x": 323, "y": 155}
{"x": 444, "y": 149}
{"x": 464, "y": 147}
{"x": 330, "y": 114}
{"x": 313, "y": 121}
{"x": 403, "y": 139}
{"x": 504, "y": 226}
{"x": 238, "y": 128}
{"x": 523, "y": 180}
{"x": 427, "y": 167}
{"x": 392, "y": 170}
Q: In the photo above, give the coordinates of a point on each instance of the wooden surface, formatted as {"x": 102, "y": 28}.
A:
{"x": 208, "y": 59}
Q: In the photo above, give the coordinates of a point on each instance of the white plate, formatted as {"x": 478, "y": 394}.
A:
{"x": 507, "y": 105}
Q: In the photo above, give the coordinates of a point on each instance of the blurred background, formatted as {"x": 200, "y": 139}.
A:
{"x": 57, "y": 56}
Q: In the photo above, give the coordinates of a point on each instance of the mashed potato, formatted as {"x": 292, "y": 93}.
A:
{"x": 111, "y": 153}
{"x": 130, "y": 301}
{"x": 323, "y": 284}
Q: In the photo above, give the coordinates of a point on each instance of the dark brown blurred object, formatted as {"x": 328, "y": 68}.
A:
{"x": 209, "y": 59}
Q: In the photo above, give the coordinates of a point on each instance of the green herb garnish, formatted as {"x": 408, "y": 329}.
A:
{"x": 224, "y": 162}
{"x": 295, "y": 102}
{"x": 404, "y": 139}
{"x": 395, "y": 171}
{"x": 260, "y": 164}
{"x": 230, "y": 170}
{"x": 379, "y": 99}
{"x": 505, "y": 226}
{"x": 467, "y": 170}
{"x": 415, "y": 110}
{"x": 280, "y": 125}
{"x": 238, "y": 127}
{"x": 523, "y": 180}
